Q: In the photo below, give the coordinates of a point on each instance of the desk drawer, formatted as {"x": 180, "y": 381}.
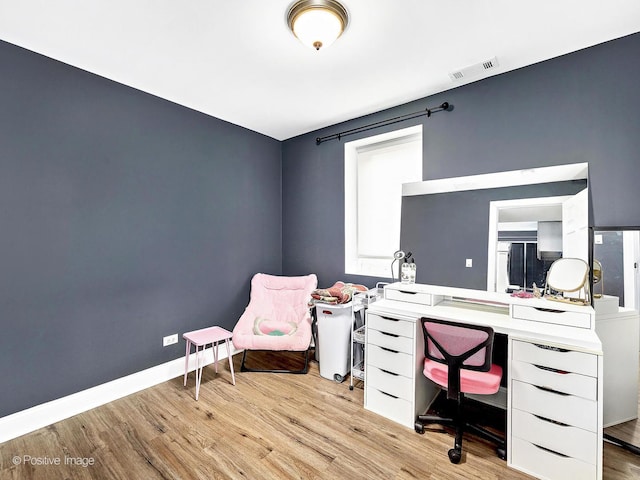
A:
{"x": 558, "y": 380}
{"x": 568, "y": 409}
{"x": 390, "y": 406}
{"x": 397, "y": 385}
{"x": 546, "y": 315}
{"x": 563, "y": 439}
{"x": 392, "y": 361}
{"x": 560, "y": 359}
{"x": 411, "y": 297}
{"x": 392, "y": 341}
{"x": 391, "y": 325}
{"x": 546, "y": 464}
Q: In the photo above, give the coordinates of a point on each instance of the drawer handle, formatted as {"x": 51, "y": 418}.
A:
{"x": 553, "y": 349}
{"x": 390, "y": 373}
{"x": 555, "y": 422}
{"x": 549, "y": 310}
{"x": 551, "y": 451}
{"x": 549, "y": 369}
{"x": 407, "y": 293}
{"x": 551, "y": 390}
{"x": 389, "y": 350}
{"x": 392, "y": 319}
{"x": 388, "y": 394}
{"x": 390, "y": 334}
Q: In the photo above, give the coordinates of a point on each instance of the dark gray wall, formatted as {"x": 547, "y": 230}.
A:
{"x": 582, "y": 107}
{"x": 123, "y": 218}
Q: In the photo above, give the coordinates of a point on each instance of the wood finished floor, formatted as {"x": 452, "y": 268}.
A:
{"x": 269, "y": 426}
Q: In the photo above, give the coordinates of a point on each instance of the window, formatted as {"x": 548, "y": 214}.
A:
{"x": 375, "y": 169}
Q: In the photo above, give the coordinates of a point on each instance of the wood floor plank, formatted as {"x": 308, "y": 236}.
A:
{"x": 267, "y": 426}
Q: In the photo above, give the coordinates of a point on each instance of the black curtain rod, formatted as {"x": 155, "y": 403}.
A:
{"x": 383, "y": 123}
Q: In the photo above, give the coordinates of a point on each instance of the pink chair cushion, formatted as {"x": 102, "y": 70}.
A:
{"x": 471, "y": 381}
{"x": 277, "y": 317}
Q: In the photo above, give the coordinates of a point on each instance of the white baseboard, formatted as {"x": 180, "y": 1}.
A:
{"x": 26, "y": 421}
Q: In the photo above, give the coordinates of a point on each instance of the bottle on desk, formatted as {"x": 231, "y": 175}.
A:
{"x": 408, "y": 272}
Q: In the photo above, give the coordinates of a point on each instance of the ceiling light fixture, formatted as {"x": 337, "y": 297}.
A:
{"x": 317, "y": 23}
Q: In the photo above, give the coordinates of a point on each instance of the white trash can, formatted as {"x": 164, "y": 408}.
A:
{"x": 334, "y": 339}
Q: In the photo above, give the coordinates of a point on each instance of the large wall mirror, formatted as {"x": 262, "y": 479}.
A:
{"x": 497, "y": 231}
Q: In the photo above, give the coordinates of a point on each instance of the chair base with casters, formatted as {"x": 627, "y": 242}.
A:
{"x": 244, "y": 368}
{"x": 458, "y": 360}
{"x": 459, "y": 422}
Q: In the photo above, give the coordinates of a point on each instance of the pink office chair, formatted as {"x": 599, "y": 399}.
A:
{"x": 277, "y": 318}
{"x": 458, "y": 358}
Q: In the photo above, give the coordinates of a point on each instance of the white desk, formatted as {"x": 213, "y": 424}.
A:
{"x": 555, "y": 371}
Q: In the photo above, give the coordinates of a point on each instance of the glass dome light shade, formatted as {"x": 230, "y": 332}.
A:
{"x": 317, "y": 24}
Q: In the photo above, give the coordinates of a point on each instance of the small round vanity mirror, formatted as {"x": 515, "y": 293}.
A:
{"x": 568, "y": 275}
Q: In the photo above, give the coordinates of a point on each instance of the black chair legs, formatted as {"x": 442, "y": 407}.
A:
{"x": 304, "y": 370}
{"x": 461, "y": 425}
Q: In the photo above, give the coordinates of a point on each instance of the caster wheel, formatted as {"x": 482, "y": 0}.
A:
{"x": 350, "y": 387}
{"x": 502, "y": 453}
{"x": 455, "y": 455}
{"x": 419, "y": 428}
{"x": 338, "y": 378}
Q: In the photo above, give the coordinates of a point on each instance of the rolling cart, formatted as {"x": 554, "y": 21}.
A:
{"x": 361, "y": 301}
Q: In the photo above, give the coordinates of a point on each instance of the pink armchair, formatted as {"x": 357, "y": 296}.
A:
{"x": 277, "y": 317}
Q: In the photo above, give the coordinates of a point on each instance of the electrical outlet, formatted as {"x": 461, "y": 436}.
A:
{"x": 469, "y": 263}
{"x": 170, "y": 340}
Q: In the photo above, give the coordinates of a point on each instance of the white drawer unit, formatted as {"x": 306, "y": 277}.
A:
{"x": 554, "y": 411}
{"x": 553, "y": 357}
{"x": 544, "y": 463}
{"x": 394, "y": 385}
{"x": 390, "y": 406}
{"x": 556, "y": 406}
{"x": 554, "y": 379}
{"x": 391, "y": 341}
{"x": 552, "y": 315}
{"x": 390, "y": 360}
{"x": 557, "y": 437}
{"x": 421, "y": 298}
{"x": 391, "y": 325}
{"x": 389, "y": 382}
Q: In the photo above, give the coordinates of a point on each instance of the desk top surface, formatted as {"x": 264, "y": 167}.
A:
{"x": 493, "y": 309}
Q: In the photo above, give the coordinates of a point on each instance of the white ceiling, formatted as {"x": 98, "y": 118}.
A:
{"x": 236, "y": 59}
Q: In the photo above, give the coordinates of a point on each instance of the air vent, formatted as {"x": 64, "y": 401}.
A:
{"x": 488, "y": 64}
{"x": 474, "y": 70}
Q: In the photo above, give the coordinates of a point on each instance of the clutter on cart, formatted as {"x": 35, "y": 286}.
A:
{"x": 338, "y": 293}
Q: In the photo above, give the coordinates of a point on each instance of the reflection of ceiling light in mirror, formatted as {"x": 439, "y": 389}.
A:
{"x": 317, "y": 23}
